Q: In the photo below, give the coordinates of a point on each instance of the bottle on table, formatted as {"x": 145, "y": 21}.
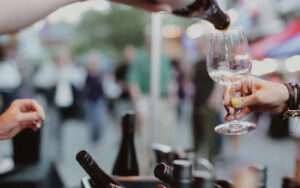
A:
{"x": 182, "y": 173}
{"x": 203, "y": 179}
{"x": 293, "y": 182}
{"x": 126, "y": 163}
{"x": 177, "y": 176}
{"x": 164, "y": 173}
{"x": 288, "y": 182}
{"x": 204, "y": 9}
{"x": 163, "y": 153}
{"x": 224, "y": 184}
{"x": 97, "y": 175}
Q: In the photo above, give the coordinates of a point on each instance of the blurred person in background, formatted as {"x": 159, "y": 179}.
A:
{"x": 28, "y": 113}
{"x": 10, "y": 82}
{"x": 68, "y": 79}
{"x": 10, "y": 78}
{"x": 206, "y": 112}
{"x": 181, "y": 84}
{"x": 207, "y": 108}
{"x": 124, "y": 102}
{"x": 139, "y": 84}
{"x": 19, "y": 114}
{"x": 95, "y": 99}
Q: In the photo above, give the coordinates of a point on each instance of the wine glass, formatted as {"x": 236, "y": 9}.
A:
{"x": 228, "y": 63}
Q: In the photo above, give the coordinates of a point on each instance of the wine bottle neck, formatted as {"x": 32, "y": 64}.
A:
{"x": 128, "y": 137}
{"x": 216, "y": 16}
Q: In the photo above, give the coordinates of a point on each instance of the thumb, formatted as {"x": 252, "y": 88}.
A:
{"x": 242, "y": 102}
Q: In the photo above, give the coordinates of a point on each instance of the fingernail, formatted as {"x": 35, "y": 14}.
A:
{"x": 38, "y": 125}
{"x": 236, "y": 102}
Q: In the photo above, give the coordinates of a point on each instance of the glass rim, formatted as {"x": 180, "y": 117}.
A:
{"x": 229, "y": 31}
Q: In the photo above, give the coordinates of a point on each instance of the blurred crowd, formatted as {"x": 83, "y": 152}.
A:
{"x": 95, "y": 88}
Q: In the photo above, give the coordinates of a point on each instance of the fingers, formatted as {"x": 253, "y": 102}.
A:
{"x": 30, "y": 113}
{"x": 243, "y": 102}
{"x": 28, "y": 105}
{"x": 230, "y": 91}
{"x": 39, "y": 109}
{"x": 227, "y": 97}
{"x": 229, "y": 117}
{"x": 242, "y": 113}
{"x": 31, "y": 124}
{"x": 34, "y": 117}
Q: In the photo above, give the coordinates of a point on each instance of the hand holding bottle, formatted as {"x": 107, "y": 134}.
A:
{"x": 22, "y": 114}
{"x": 256, "y": 95}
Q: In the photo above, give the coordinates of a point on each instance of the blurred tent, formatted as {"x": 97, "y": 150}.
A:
{"x": 281, "y": 45}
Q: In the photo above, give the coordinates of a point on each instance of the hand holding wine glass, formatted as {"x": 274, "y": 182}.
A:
{"x": 229, "y": 63}
{"x": 256, "y": 94}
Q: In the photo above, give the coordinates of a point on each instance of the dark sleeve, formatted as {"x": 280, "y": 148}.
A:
{"x": 202, "y": 82}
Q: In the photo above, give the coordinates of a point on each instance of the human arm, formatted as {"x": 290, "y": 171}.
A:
{"x": 15, "y": 14}
{"x": 257, "y": 95}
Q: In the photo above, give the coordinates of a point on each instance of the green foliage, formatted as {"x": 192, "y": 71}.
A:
{"x": 110, "y": 32}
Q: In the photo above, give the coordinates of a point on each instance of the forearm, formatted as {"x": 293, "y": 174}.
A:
{"x": 16, "y": 14}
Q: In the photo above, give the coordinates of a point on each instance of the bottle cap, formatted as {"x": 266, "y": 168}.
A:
{"x": 202, "y": 179}
{"x": 161, "y": 169}
{"x": 217, "y": 17}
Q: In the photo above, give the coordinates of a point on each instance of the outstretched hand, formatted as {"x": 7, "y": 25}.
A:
{"x": 256, "y": 95}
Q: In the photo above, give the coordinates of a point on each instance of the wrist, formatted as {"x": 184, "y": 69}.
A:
{"x": 285, "y": 95}
{"x": 293, "y": 102}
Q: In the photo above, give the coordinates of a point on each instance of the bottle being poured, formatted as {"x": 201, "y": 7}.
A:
{"x": 203, "y": 9}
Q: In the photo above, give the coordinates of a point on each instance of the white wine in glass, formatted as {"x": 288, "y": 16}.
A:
{"x": 228, "y": 64}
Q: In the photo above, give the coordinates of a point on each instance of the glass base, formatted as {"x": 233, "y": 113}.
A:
{"x": 235, "y": 128}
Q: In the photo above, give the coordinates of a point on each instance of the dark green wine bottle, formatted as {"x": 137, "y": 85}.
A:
{"x": 126, "y": 163}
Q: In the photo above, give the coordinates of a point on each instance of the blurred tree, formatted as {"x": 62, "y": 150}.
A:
{"x": 110, "y": 31}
